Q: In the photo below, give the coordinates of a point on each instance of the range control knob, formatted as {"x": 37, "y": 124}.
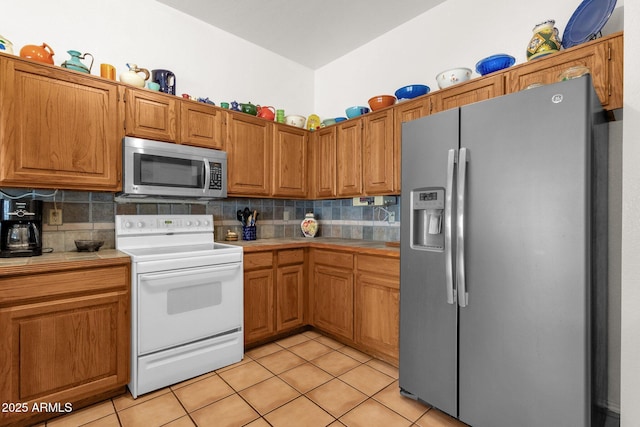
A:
{"x": 127, "y": 224}
{"x": 140, "y": 224}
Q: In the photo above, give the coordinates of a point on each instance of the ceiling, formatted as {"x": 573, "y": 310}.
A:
{"x": 311, "y": 33}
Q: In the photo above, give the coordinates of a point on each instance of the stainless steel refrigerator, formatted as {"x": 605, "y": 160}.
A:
{"x": 503, "y": 259}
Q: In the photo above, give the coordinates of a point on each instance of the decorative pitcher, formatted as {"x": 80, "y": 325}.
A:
{"x": 42, "y": 53}
{"x": 132, "y": 77}
{"x": 74, "y": 62}
{"x": 545, "y": 40}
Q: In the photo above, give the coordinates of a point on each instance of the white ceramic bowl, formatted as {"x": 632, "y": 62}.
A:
{"x": 294, "y": 120}
{"x": 453, "y": 76}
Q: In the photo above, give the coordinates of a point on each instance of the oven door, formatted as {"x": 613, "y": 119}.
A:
{"x": 180, "y": 306}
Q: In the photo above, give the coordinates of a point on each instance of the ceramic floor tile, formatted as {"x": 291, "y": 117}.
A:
{"x": 336, "y": 397}
{"x": 155, "y": 412}
{"x": 84, "y": 416}
{"x": 181, "y": 422}
{"x": 312, "y": 334}
{"x": 203, "y": 392}
{"x": 231, "y": 411}
{"x": 373, "y": 414}
{"x": 305, "y": 377}
{"x": 336, "y": 363}
{"x": 281, "y": 361}
{"x": 126, "y": 400}
{"x": 260, "y": 422}
{"x": 329, "y": 342}
{"x": 235, "y": 365}
{"x": 108, "y": 421}
{"x": 355, "y": 354}
{"x": 300, "y": 412}
{"x": 292, "y": 340}
{"x": 265, "y": 350}
{"x": 269, "y": 394}
{"x": 245, "y": 375}
{"x": 310, "y": 350}
{"x": 435, "y": 418}
{"x": 392, "y": 399}
{"x": 366, "y": 379}
{"x": 384, "y": 367}
{"x": 336, "y": 423}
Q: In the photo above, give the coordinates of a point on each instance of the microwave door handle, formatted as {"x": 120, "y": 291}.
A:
{"x": 207, "y": 176}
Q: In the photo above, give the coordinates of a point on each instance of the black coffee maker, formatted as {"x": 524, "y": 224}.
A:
{"x": 20, "y": 228}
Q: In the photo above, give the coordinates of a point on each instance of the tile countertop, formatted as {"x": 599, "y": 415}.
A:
{"x": 372, "y": 247}
{"x": 9, "y": 266}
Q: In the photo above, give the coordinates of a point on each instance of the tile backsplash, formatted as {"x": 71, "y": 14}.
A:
{"x": 90, "y": 215}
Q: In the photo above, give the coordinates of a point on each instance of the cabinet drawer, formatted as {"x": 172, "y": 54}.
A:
{"x": 258, "y": 260}
{"x": 379, "y": 265}
{"x": 290, "y": 256}
{"x": 334, "y": 259}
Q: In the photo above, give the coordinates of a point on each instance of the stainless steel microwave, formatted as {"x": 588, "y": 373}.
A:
{"x": 162, "y": 169}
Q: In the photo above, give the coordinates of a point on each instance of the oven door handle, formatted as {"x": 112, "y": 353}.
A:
{"x": 169, "y": 278}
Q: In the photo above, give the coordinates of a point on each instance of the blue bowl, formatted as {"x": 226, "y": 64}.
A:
{"x": 340, "y": 119}
{"x": 412, "y": 91}
{"x": 494, "y": 63}
{"x": 356, "y": 111}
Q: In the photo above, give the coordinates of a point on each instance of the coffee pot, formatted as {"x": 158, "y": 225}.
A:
{"x": 20, "y": 228}
{"x": 166, "y": 79}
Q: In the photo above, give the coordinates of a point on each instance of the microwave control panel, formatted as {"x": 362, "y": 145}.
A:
{"x": 215, "y": 180}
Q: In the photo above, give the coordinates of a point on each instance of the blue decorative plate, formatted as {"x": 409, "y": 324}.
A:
{"x": 494, "y": 63}
{"x": 587, "y": 21}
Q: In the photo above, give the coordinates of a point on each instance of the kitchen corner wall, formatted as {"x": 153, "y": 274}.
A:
{"x": 91, "y": 216}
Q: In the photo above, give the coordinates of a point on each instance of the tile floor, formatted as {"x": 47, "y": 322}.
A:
{"x": 305, "y": 380}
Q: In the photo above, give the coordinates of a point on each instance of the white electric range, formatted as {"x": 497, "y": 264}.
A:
{"x": 186, "y": 298}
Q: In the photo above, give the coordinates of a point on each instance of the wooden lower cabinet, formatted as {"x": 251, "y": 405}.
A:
{"x": 64, "y": 338}
{"x": 331, "y": 292}
{"x": 377, "y": 305}
{"x": 274, "y": 293}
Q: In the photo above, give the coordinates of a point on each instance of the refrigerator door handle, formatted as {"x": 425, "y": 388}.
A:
{"x": 463, "y": 158}
{"x": 448, "y": 203}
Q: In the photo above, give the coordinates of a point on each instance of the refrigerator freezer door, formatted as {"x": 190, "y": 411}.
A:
{"x": 524, "y": 335}
{"x": 428, "y": 323}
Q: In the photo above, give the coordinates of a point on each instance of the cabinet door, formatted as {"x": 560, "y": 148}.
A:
{"x": 258, "y": 304}
{"x": 473, "y": 91}
{"x": 378, "y": 153}
{"x": 405, "y": 112}
{"x": 290, "y": 297}
{"x": 324, "y": 162}
{"x": 64, "y": 350}
{"x": 152, "y": 115}
{"x": 349, "y": 158}
{"x": 58, "y": 128}
{"x": 249, "y": 155}
{"x": 333, "y": 300}
{"x": 290, "y": 161}
{"x": 201, "y": 125}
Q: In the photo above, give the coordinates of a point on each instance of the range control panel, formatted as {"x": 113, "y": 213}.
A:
{"x": 154, "y": 224}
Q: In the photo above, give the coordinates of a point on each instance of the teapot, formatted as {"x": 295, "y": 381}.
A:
{"x": 74, "y": 62}
{"x": 42, "y": 53}
{"x": 268, "y": 112}
{"x": 249, "y": 108}
{"x": 132, "y": 77}
{"x": 234, "y": 106}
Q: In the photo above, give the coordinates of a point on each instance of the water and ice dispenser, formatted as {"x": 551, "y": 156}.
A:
{"x": 427, "y": 219}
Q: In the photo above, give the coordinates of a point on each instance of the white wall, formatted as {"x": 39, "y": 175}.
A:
{"x": 630, "y": 367}
{"x": 207, "y": 61}
{"x": 456, "y": 33}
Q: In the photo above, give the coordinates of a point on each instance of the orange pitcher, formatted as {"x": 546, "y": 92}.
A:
{"x": 42, "y": 53}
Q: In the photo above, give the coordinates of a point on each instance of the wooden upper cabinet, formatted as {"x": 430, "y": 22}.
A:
{"x": 603, "y": 57}
{"x": 201, "y": 125}
{"x": 151, "y": 115}
{"x": 290, "y": 158}
{"x": 248, "y": 155}
{"x": 349, "y": 158}
{"x": 472, "y": 91}
{"x": 405, "y": 112}
{"x": 323, "y": 155}
{"x": 378, "y": 153}
{"x": 58, "y": 129}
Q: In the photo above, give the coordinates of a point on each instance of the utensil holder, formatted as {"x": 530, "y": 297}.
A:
{"x": 249, "y": 232}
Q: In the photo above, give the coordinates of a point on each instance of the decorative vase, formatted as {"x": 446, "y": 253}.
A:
{"x": 545, "y": 40}
{"x": 309, "y": 225}
{"x": 5, "y": 45}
